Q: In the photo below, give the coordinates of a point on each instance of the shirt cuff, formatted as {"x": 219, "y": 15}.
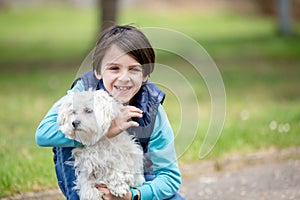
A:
{"x": 146, "y": 192}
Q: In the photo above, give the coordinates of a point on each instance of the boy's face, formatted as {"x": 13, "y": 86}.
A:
{"x": 121, "y": 74}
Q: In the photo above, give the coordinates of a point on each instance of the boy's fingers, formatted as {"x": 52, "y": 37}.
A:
{"x": 132, "y": 109}
{"x": 130, "y": 124}
{"x": 133, "y": 114}
{"x": 133, "y": 123}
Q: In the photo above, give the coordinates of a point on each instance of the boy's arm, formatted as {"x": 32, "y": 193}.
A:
{"x": 48, "y": 133}
{"x": 167, "y": 176}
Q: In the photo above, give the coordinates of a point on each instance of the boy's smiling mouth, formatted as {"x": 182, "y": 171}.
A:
{"x": 123, "y": 88}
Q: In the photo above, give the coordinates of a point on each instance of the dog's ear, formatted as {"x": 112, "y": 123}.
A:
{"x": 65, "y": 111}
{"x": 64, "y": 108}
{"x": 106, "y": 109}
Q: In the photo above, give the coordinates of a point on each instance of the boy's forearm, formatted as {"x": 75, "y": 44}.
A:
{"x": 165, "y": 185}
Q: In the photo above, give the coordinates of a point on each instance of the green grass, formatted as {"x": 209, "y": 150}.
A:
{"x": 46, "y": 35}
{"x": 40, "y": 51}
{"x": 25, "y": 98}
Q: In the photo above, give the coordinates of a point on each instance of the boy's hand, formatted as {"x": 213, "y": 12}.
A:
{"x": 123, "y": 122}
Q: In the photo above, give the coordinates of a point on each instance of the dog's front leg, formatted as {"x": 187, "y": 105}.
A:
{"x": 87, "y": 188}
{"x": 117, "y": 184}
{"x": 90, "y": 193}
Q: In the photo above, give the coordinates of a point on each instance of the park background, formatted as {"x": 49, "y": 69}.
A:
{"x": 42, "y": 45}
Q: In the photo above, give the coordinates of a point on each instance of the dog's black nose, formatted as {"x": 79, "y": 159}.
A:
{"x": 75, "y": 123}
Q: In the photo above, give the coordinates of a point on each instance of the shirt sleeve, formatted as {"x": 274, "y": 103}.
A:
{"x": 48, "y": 133}
{"x": 167, "y": 175}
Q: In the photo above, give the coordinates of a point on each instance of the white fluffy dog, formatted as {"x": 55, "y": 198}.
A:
{"x": 116, "y": 162}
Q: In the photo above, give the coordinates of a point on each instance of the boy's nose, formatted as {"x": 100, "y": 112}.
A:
{"x": 75, "y": 123}
{"x": 124, "y": 76}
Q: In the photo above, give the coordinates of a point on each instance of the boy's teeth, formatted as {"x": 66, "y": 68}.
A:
{"x": 123, "y": 88}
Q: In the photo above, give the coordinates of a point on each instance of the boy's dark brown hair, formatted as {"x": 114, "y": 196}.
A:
{"x": 131, "y": 40}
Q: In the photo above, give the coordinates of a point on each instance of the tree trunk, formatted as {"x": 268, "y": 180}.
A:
{"x": 284, "y": 16}
{"x": 109, "y": 11}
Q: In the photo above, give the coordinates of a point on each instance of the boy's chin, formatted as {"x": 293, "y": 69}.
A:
{"x": 124, "y": 99}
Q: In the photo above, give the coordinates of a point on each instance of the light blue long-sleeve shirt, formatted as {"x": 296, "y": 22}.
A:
{"x": 161, "y": 147}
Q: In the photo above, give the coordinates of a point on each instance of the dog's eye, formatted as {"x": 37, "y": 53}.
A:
{"x": 73, "y": 112}
{"x": 88, "y": 110}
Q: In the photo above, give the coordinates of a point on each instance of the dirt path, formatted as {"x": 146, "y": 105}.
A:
{"x": 268, "y": 175}
{"x": 274, "y": 181}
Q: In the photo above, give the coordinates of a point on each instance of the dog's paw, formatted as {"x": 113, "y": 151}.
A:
{"x": 119, "y": 191}
{"x": 139, "y": 180}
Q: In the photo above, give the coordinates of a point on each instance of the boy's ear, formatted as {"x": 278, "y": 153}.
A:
{"x": 98, "y": 76}
{"x": 145, "y": 78}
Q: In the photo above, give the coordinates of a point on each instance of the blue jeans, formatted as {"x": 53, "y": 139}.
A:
{"x": 65, "y": 173}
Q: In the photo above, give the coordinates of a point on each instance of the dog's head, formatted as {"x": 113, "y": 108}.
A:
{"x": 86, "y": 116}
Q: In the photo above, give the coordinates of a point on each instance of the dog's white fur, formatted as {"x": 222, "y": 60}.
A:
{"x": 116, "y": 162}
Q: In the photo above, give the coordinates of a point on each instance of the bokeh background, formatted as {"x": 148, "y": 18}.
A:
{"x": 255, "y": 44}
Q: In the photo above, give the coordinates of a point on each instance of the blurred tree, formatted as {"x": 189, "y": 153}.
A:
{"x": 282, "y": 9}
{"x": 109, "y": 11}
{"x": 284, "y": 16}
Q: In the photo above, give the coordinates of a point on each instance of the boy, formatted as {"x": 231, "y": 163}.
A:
{"x": 122, "y": 62}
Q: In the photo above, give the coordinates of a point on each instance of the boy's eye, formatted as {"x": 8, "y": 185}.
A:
{"x": 137, "y": 69}
{"x": 114, "y": 68}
